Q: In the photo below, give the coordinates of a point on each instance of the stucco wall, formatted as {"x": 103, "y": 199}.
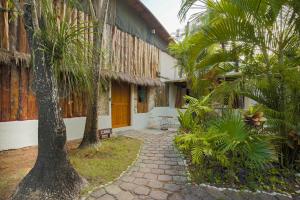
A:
{"x": 104, "y": 102}
{"x": 167, "y": 67}
{"x": 20, "y": 134}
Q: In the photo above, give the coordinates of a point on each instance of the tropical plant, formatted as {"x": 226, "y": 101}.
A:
{"x": 229, "y": 141}
{"x": 196, "y": 114}
{"x": 258, "y": 42}
{"x": 254, "y": 116}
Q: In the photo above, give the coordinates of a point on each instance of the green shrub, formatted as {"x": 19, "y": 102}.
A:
{"x": 229, "y": 142}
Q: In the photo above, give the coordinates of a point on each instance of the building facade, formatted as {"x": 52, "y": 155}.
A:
{"x": 138, "y": 74}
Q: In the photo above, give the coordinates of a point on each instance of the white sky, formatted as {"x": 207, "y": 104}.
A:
{"x": 166, "y": 12}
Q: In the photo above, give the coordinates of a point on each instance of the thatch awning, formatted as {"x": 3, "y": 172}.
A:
{"x": 14, "y": 58}
{"x": 129, "y": 78}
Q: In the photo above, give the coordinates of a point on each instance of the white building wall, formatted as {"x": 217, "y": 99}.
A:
{"x": 167, "y": 67}
{"x": 18, "y": 134}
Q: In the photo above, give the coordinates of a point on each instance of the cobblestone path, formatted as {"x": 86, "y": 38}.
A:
{"x": 159, "y": 174}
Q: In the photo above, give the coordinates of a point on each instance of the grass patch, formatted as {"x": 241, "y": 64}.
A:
{"x": 106, "y": 162}
{"x": 98, "y": 165}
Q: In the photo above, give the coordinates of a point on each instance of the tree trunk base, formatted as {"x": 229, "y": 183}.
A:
{"x": 87, "y": 143}
{"x": 50, "y": 180}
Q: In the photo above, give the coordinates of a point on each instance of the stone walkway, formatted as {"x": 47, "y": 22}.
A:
{"x": 159, "y": 174}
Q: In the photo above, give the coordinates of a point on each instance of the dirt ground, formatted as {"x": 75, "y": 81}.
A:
{"x": 15, "y": 164}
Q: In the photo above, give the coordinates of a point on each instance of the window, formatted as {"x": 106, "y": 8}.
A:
{"x": 142, "y": 99}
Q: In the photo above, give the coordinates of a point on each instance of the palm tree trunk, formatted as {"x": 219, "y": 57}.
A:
{"x": 52, "y": 176}
{"x": 99, "y": 11}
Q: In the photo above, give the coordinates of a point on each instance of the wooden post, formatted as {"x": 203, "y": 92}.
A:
{"x": 5, "y": 27}
{"x": 13, "y": 25}
{"x": 23, "y": 97}
{"x": 22, "y": 35}
{"x": 5, "y": 102}
{"x": 14, "y": 93}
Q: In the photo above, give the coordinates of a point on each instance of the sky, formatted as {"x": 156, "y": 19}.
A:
{"x": 166, "y": 12}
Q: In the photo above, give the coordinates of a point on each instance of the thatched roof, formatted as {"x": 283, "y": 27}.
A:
{"x": 129, "y": 78}
{"x": 14, "y": 58}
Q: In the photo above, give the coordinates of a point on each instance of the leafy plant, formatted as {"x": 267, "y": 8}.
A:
{"x": 254, "y": 116}
{"x": 230, "y": 142}
{"x": 254, "y": 45}
{"x": 186, "y": 120}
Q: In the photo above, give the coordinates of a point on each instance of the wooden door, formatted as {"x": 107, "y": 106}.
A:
{"x": 120, "y": 105}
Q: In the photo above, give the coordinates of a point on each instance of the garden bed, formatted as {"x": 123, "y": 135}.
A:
{"x": 97, "y": 165}
{"x": 270, "y": 180}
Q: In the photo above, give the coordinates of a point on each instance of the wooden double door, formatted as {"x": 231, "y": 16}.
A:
{"x": 120, "y": 104}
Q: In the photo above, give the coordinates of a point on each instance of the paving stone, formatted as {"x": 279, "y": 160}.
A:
{"x": 98, "y": 193}
{"x": 164, "y": 178}
{"x": 145, "y": 170}
{"x": 164, "y": 166}
{"x": 150, "y": 176}
{"x": 233, "y": 195}
{"x": 137, "y": 174}
{"x": 124, "y": 196}
{"x": 113, "y": 189}
{"x": 106, "y": 197}
{"x": 171, "y": 172}
{"x": 158, "y": 171}
{"x": 128, "y": 186}
{"x": 141, "y": 181}
{"x": 216, "y": 193}
{"x": 141, "y": 190}
{"x": 180, "y": 179}
{"x": 175, "y": 196}
{"x": 127, "y": 178}
{"x": 159, "y": 195}
{"x": 151, "y": 166}
{"x": 155, "y": 184}
{"x": 171, "y": 187}
{"x": 264, "y": 196}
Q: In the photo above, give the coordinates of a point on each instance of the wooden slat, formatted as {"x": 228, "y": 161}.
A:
{"x": 22, "y": 36}
{"x": 13, "y": 26}
{"x": 5, "y": 102}
{"x": 23, "y": 87}
{"x": 5, "y": 27}
{"x": 14, "y": 93}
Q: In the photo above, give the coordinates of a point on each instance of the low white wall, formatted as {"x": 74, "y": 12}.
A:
{"x": 156, "y": 113}
{"x": 18, "y": 134}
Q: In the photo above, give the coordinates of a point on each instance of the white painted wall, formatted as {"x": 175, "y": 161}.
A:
{"x": 18, "y": 134}
{"x": 167, "y": 67}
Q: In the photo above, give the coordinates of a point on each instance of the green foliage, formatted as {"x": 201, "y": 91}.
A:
{"x": 248, "y": 48}
{"x": 230, "y": 142}
{"x": 196, "y": 114}
{"x": 65, "y": 46}
{"x": 186, "y": 120}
